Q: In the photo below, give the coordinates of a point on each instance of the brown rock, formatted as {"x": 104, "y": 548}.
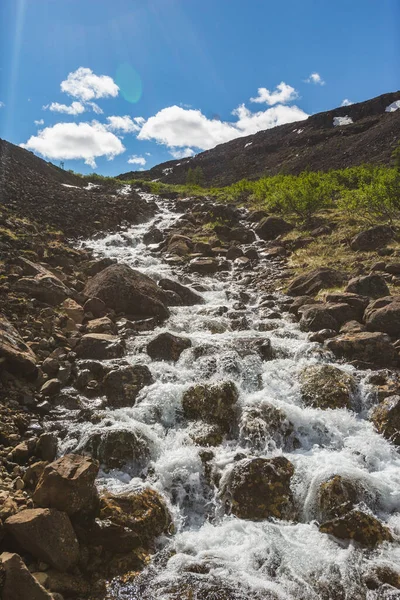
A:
{"x": 47, "y": 534}
{"x": 52, "y": 387}
{"x": 122, "y": 386}
{"x": 68, "y": 484}
{"x": 19, "y": 584}
{"x": 365, "y": 347}
{"x": 259, "y": 488}
{"x": 167, "y": 346}
{"x": 73, "y": 310}
{"x": 188, "y": 296}
{"x": 128, "y": 291}
{"x": 373, "y": 238}
{"x": 384, "y": 315}
{"x": 314, "y": 281}
{"x": 14, "y": 353}
{"x": 96, "y": 307}
{"x": 373, "y": 286}
{"x": 212, "y": 403}
{"x": 117, "y": 448}
{"x": 270, "y": 228}
{"x": 337, "y": 496}
{"x": 326, "y": 386}
{"x": 100, "y": 346}
{"x": 386, "y": 418}
{"x": 315, "y": 317}
{"x": 101, "y": 325}
{"x": 358, "y": 526}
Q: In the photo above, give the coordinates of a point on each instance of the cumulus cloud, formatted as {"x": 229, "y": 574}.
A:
{"x": 39, "y": 122}
{"x": 178, "y": 128}
{"x": 95, "y": 107}
{"x": 85, "y": 85}
{"x": 76, "y": 108}
{"x": 182, "y": 152}
{"x": 315, "y": 78}
{"x": 76, "y": 141}
{"x": 137, "y": 160}
{"x": 347, "y": 102}
{"x": 125, "y": 124}
{"x": 284, "y": 93}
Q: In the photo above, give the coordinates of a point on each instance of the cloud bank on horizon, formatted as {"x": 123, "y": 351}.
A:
{"x": 182, "y": 130}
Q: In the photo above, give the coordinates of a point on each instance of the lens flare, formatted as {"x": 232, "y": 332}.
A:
{"x": 129, "y": 82}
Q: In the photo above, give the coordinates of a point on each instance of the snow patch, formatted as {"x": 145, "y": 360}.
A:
{"x": 91, "y": 186}
{"x": 338, "y": 121}
{"x": 248, "y": 144}
{"x": 393, "y": 107}
{"x": 71, "y": 186}
{"x": 168, "y": 170}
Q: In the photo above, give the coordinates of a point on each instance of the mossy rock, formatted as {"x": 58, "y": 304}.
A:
{"x": 326, "y": 386}
{"x": 212, "y": 403}
{"x": 359, "y": 526}
{"x": 386, "y": 418}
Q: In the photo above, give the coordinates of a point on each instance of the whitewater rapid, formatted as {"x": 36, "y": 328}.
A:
{"x": 264, "y": 559}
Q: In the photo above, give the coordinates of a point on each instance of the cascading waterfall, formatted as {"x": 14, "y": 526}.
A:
{"x": 249, "y": 559}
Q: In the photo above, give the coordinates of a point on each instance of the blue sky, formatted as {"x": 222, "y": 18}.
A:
{"x": 184, "y": 74}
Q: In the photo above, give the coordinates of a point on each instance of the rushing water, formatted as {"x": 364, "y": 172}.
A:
{"x": 271, "y": 558}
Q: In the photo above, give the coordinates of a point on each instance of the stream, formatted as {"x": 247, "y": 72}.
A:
{"x": 227, "y": 557}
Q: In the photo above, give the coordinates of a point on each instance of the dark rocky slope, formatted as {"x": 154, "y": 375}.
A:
{"x": 314, "y": 144}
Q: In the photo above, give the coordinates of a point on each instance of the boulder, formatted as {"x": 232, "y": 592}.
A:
{"x": 45, "y": 287}
{"x": 128, "y": 291}
{"x": 357, "y": 302}
{"x": 51, "y": 387}
{"x": 337, "y": 496}
{"x": 19, "y": 584}
{"x": 259, "y": 488}
{"x": 205, "y": 434}
{"x": 47, "y": 534}
{"x": 101, "y": 325}
{"x": 100, "y": 346}
{"x": 373, "y": 238}
{"x": 143, "y": 511}
{"x": 15, "y": 355}
{"x": 153, "y": 236}
{"x": 70, "y": 586}
{"x": 270, "y": 228}
{"x": 46, "y": 447}
{"x": 314, "y": 281}
{"x": 96, "y": 307}
{"x": 212, "y": 403}
{"x": 233, "y": 253}
{"x": 315, "y": 317}
{"x": 117, "y": 448}
{"x": 384, "y": 315}
{"x": 68, "y": 484}
{"x": 365, "y": 347}
{"x": 73, "y": 310}
{"x": 188, "y": 296}
{"x": 326, "y": 386}
{"x": 381, "y": 574}
{"x": 358, "y": 526}
{"x": 167, "y": 346}
{"x": 122, "y": 385}
{"x": 373, "y": 286}
{"x": 262, "y": 424}
{"x": 386, "y": 418}
{"x": 204, "y": 266}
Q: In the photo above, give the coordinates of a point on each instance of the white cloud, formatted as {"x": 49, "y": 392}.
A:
{"x": 177, "y": 127}
{"x": 137, "y": 160}
{"x": 284, "y": 93}
{"x": 39, "y": 122}
{"x": 347, "y": 102}
{"x": 315, "y": 78}
{"x": 95, "y": 107}
{"x": 76, "y": 141}
{"x": 1, "y": 104}
{"x": 125, "y": 124}
{"x": 182, "y": 152}
{"x": 85, "y": 85}
{"x": 76, "y": 108}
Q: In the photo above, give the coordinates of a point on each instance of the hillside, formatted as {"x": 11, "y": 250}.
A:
{"x": 315, "y": 144}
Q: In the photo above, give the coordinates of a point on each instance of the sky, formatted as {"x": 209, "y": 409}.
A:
{"x": 117, "y": 85}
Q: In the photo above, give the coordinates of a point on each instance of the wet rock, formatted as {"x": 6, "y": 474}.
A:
{"x": 153, "y": 236}
{"x": 314, "y": 281}
{"x": 52, "y": 387}
{"x": 50, "y": 366}
{"x": 386, "y": 418}
{"x": 204, "y": 266}
{"x": 144, "y": 512}
{"x": 270, "y": 228}
{"x": 358, "y": 526}
{"x": 15, "y": 355}
{"x": 46, "y": 447}
{"x": 316, "y": 317}
{"x": 101, "y": 325}
{"x": 384, "y": 315}
{"x": 110, "y": 536}
{"x": 96, "y": 307}
{"x": 122, "y": 386}
{"x": 365, "y": 347}
{"x": 262, "y": 424}
{"x": 205, "y": 434}
{"x": 326, "y": 386}
{"x": 259, "y": 488}
{"x": 188, "y": 296}
{"x": 117, "y": 448}
{"x": 68, "y": 484}
{"x": 233, "y": 253}
{"x": 322, "y": 335}
{"x": 373, "y": 286}
{"x": 47, "y": 534}
{"x": 382, "y": 574}
{"x": 337, "y": 496}
{"x": 19, "y": 584}
{"x": 373, "y": 238}
{"x": 179, "y": 245}
{"x": 212, "y": 403}
{"x": 67, "y": 584}
{"x": 352, "y": 327}
{"x": 167, "y": 346}
{"x": 100, "y": 346}
{"x": 128, "y": 291}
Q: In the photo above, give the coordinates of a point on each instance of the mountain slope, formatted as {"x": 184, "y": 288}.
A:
{"x": 314, "y": 144}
